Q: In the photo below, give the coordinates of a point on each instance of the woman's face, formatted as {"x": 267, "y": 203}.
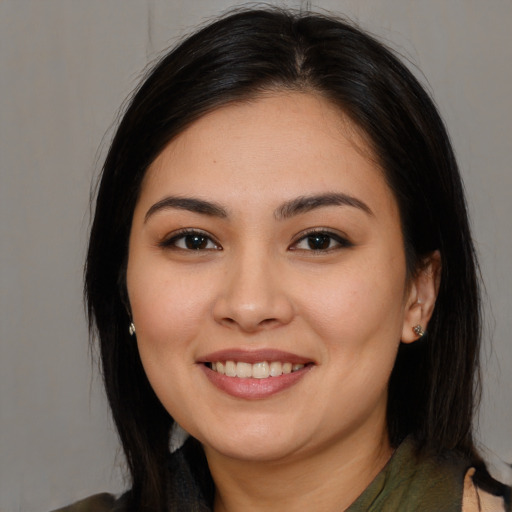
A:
{"x": 266, "y": 243}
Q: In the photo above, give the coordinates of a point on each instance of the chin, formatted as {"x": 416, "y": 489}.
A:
{"x": 253, "y": 450}
{"x": 255, "y": 442}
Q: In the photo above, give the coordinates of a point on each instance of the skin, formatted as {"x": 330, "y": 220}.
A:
{"x": 257, "y": 284}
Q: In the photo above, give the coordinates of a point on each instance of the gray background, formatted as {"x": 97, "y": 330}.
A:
{"x": 65, "y": 67}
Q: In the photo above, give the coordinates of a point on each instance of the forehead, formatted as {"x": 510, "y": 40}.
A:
{"x": 282, "y": 144}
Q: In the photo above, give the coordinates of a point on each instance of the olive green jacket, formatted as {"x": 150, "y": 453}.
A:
{"x": 405, "y": 484}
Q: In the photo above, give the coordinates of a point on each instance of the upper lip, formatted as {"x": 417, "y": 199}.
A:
{"x": 254, "y": 356}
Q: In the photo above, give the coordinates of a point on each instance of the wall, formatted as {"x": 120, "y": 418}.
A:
{"x": 66, "y": 66}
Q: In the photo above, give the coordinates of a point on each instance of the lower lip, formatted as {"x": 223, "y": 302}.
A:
{"x": 254, "y": 389}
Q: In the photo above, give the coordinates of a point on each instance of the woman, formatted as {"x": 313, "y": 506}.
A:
{"x": 280, "y": 263}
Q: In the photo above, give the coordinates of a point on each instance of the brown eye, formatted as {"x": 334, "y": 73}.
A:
{"x": 321, "y": 241}
{"x": 191, "y": 241}
{"x": 195, "y": 242}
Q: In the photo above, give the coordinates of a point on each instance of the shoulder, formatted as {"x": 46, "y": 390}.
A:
{"x": 97, "y": 503}
{"x": 477, "y": 499}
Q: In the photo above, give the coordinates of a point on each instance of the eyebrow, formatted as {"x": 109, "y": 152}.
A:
{"x": 188, "y": 203}
{"x": 305, "y": 204}
{"x": 297, "y": 206}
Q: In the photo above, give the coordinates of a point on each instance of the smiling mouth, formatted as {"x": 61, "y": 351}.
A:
{"x": 260, "y": 370}
{"x": 254, "y": 374}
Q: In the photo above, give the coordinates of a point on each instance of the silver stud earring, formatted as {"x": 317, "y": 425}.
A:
{"x": 418, "y": 330}
{"x": 131, "y": 329}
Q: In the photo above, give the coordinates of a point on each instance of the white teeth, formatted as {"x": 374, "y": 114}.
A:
{"x": 261, "y": 370}
{"x": 243, "y": 370}
{"x": 276, "y": 369}
{"x": 230, "y": 369}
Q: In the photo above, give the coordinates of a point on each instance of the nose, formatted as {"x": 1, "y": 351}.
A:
{"x": 253, "y": 296}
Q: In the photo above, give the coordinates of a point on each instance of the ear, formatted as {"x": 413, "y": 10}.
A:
{"x": 421, "y": 297}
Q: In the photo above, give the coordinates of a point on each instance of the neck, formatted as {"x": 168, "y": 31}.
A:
{"x": 330, "y": 478}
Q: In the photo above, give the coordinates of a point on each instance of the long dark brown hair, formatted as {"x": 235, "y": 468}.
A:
{"x": 435, "y": 382}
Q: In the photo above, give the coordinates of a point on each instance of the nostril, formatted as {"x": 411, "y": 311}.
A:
{"x": 268, "y": 321}
{"x": 248, "y": 325}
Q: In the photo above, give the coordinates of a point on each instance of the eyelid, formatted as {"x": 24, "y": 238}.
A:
{"x": 169, "y": 241}
{"x": 341, "y": 238}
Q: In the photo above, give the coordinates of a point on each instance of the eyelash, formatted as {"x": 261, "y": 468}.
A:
{"x": 342, "y": 242}
{"x": 328, "y": 236}
{"x": 172, "y": 242}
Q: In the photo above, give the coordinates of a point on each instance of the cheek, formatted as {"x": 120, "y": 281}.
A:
{"x": 167, "y": 306}
{"x": 358, "y": 307}
{"x": 168, "y": 310}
